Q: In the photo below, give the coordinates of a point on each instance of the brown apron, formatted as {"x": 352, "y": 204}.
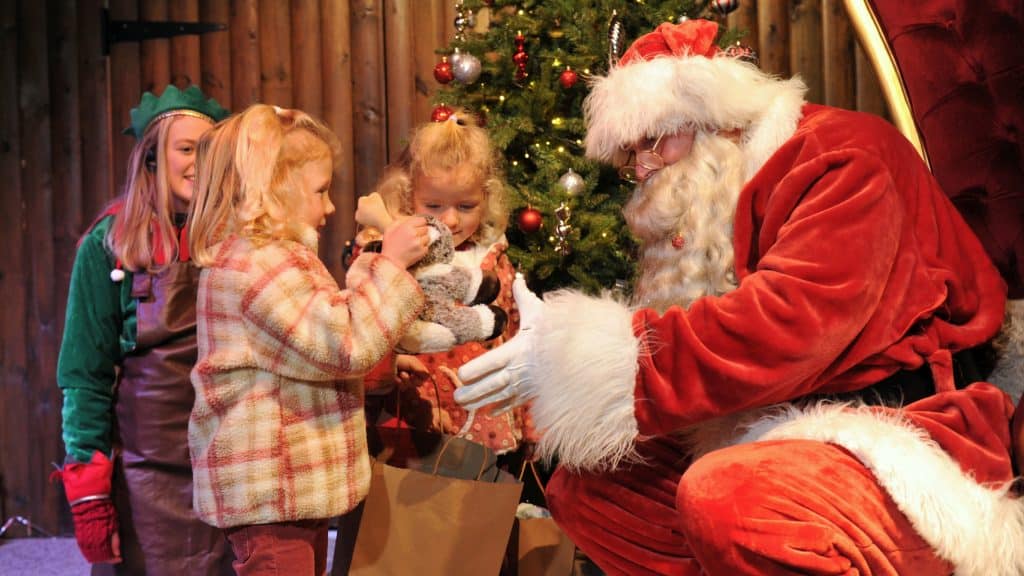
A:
{"x": 153, "y": 473}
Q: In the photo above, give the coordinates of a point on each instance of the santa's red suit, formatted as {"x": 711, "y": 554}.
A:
{"x": 695, "y": 441}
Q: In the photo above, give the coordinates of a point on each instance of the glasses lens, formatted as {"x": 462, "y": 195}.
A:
{"x": 650, "y": 160}
{"x": 628, "y": 173}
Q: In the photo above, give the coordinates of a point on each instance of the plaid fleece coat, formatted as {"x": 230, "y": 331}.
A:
{"x": 277, "y": 432}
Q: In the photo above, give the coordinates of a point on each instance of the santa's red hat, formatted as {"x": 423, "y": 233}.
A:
{"x": 676, "y": 77}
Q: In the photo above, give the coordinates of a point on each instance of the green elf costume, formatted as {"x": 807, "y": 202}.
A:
{"x": 129, "y": 344}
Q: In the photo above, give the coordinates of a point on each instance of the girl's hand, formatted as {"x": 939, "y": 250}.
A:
{"x": 406, "y": 241}
{"x": 411, "y": 371}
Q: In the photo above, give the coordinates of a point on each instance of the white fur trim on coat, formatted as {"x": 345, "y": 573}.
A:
{"x": 666, "y": 94}
{"x": 979, "y": 529}
{"x": 586, "y": 362}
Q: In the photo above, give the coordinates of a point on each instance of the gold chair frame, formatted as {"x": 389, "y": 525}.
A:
{"x": 869, "y": 31}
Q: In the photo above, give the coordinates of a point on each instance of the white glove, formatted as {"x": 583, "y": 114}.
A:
{"x": 503, "y": 376}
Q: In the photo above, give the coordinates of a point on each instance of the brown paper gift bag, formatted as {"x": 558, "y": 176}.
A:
{"x": 542, "y": 548}
{"x": 423, "y": 523}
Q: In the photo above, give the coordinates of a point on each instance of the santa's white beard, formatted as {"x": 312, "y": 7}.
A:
{"x": 694, "y": 199}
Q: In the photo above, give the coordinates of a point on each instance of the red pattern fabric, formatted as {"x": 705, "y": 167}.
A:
{"x": 501, "y": 433}
{"x": 277, "y": 432}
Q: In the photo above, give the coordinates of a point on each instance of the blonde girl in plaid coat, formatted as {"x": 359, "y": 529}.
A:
{"x": 277, "y": 433}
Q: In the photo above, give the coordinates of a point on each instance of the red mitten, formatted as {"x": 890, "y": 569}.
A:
{"x": 88, "y": 490}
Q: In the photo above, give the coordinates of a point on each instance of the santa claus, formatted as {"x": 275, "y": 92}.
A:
{"x": 792, "y": 390}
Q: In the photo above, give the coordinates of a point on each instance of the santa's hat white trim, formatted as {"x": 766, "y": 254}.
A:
{"x": 588, "y": 353}
{"x": 977, "y": 528}
{"x": 668, "y": 93}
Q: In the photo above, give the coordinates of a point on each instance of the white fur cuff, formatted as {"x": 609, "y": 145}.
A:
{"x": 585, "y": 368}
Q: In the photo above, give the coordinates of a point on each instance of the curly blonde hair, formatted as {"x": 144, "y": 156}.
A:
{"x": 437, "y": 147}
{"x": 247, "y": 170}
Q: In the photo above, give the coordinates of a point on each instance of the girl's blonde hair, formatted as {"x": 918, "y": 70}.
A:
{"x": 247, "y": 176}
{"x": 144, "y": 225}
{"x": 458, "y": 142}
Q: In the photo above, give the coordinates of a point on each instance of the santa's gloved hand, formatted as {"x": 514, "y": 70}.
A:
{"x": 502, "y": 377}
{"x": 87, "y": 486}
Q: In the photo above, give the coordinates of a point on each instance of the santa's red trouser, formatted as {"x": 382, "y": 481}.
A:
{"x": 767, "y": 508}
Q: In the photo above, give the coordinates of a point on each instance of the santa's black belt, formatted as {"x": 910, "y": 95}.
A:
{"x": 907, "y": 386}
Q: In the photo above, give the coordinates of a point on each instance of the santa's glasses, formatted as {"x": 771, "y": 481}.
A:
{"x": 648, "y": 159}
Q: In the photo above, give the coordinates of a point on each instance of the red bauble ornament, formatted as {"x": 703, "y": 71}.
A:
{"x": 440, "y": 113}
{"x": 443, "y": 71}
{"x": 529, "y": 220}
{"x": 568, "y": 78}
{"x": 520, "y": 57}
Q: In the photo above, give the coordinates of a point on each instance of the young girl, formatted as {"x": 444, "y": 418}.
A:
{"x": 277, "y": 433}
{"x": 129, "y": 344}
{"x": 449, "y": 170}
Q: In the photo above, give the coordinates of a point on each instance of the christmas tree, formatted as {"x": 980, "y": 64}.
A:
{"x": 522, "y": 67}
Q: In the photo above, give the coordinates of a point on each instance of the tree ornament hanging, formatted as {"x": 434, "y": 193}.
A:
{"x": 724, "y": 7}
{"x": 465, "y": 67}
{"x": 520, "y": 57}
{"x": 529, "y": 220}
{"x": 616, "y": 38}
{"x": 563, "y": 229}
{"x": 571, "y": 182}
{"x": 440, "y": 113}
{"x": 556, "y": 31}
{"x": 443, "y": 71}
{"x": 568, "y": 78}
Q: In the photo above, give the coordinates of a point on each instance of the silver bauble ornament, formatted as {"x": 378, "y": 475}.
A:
{"x": 616, "y": 38}
{"x": 466, "y": 68}
{"x": 724, "y": 7}
{"x": 571, "y": 182}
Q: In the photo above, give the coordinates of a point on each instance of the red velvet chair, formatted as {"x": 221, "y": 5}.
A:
{"x": 953, "y": 75}
{"x": 952, "y": 72}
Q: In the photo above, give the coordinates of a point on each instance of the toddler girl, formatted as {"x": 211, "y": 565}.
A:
{"x": 449, "y": 170}
{"x": 277, "y": 433}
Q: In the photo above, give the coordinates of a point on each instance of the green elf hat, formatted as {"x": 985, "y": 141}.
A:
{"x": 173, "y": 102}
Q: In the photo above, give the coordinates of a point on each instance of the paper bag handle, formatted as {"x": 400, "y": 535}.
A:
{"x": 447, "y": 442}
{"x": 533, "y": 469}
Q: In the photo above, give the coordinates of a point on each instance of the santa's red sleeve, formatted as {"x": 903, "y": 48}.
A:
{"x": 840, "y": 293}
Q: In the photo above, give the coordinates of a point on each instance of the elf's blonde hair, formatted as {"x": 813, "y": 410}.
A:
{"x": 247, "y": 171}
{"x": 144, "y": 225}
{"x": 435, "y": 147}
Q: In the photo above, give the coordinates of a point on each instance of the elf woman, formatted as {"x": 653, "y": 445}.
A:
{"x": 129, "y": 344}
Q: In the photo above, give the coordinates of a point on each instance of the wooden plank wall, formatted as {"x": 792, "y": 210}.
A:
{"x": 365, "y": 66}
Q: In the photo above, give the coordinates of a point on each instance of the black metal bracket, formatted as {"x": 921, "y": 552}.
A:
{"x": 114, "y": 31}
